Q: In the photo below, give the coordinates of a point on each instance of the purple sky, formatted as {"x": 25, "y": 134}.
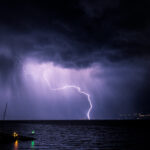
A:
{"x": 100, "y": 46}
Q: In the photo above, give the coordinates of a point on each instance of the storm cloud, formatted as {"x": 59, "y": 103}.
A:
{"x": 73, "y": 31}
{"x": 79, "y": 34}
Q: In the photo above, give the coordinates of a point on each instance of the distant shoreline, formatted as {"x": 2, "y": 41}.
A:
{"x": 134, "y": 123}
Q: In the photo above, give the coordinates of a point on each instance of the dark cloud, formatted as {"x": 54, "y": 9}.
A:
{"x": 77, "y": 33}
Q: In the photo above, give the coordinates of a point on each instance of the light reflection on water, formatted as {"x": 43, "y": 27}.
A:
{"x": 32, "y": 144}
{"x": 16, "y": 144}
{"x": 72, "y": 137}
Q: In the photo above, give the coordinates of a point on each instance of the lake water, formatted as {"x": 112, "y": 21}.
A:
{"x": 78, "y": 135}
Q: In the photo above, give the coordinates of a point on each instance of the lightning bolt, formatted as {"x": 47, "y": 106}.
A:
{"x": 78, "y": 89}
{"x": 81, "y": 92}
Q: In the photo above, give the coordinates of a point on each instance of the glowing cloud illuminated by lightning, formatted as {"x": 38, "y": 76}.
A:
{"x": 57, "y": 78}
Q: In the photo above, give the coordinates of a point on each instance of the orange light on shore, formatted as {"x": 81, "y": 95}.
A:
{"x": 15, "y": 134}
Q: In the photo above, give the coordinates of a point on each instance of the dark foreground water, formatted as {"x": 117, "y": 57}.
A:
{"x": 79, "y": 135}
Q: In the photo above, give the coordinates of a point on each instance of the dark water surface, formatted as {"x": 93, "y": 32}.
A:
{"x": 79, "y": 135}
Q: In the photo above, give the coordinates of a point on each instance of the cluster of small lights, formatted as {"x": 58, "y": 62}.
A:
{"x": 15, "y": 135}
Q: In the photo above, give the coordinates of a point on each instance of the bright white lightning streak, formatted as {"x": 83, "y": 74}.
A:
{"x": 79, "y": 90}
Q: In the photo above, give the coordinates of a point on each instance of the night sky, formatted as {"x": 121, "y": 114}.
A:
{"x": 103, "y": 47}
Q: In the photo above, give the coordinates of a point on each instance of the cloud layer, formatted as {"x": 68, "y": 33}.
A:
{"x": 79, "y": 34}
